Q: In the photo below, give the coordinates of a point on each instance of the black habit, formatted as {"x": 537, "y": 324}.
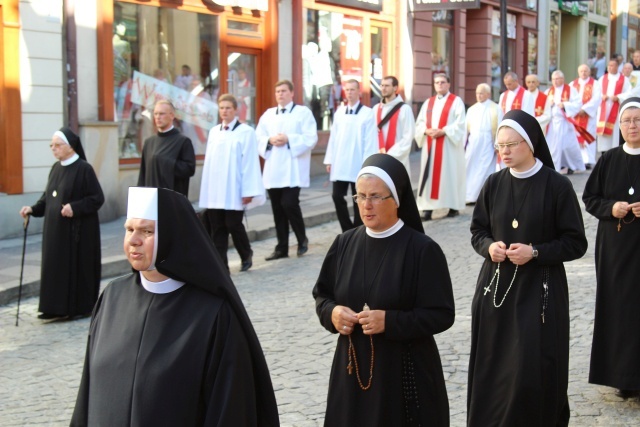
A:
{"x": 406, "y": 275}
{"x": 519, "y": 366}
{"x": 189, "y": 357}
{"x": 168, "y": 161}
{"x": 615, "y": 354}
{"x": 71, "y": 258}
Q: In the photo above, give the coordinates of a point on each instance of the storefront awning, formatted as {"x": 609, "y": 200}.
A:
{"x": 247, "y": 4}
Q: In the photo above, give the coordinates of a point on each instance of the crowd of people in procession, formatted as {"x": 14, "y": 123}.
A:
{"x": 172, "y": 340}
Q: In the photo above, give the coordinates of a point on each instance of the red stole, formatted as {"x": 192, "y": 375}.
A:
{"x": 517, "y": 101}
{"x": 605, "y": 124}
{"x": 385, "y": 146}
{"x": 566, "y": 92}
{"x": 583, "y": 120}
{"x": 439, "y": 148}
{"x": 541, "y": 101}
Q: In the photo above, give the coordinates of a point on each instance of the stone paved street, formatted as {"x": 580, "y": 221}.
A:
{"x": 40, "y": 364}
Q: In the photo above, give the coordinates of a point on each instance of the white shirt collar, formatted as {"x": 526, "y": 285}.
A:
{"x": 168, "y": 130}
{"x": 528, "y": 173}
{"x": 354, "y": 106}
{"x": 70, "y": 160}
{"x": 583, "y": 81}
{"x": 386, "y": 233}
{"x": 629, "y": 150}
{"x": 515, "y": 90}
{"x": 231, "y": 124}
{"x": 286, "y": 107}
{"x": 163, "y": 287}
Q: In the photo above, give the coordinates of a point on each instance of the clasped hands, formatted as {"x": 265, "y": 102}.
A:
{"x": 621, "y": 209}
{"x": 434, "y": 133}
{"x": 279, "y": 140}
{"x": 344, "y": 320}
{"x": 518, "y": 253}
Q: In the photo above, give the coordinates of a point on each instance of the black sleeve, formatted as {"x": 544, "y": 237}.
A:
{"x": 593, "y": 196}
{"x": 323, "y": 291}
{"x": 185, "y": 165}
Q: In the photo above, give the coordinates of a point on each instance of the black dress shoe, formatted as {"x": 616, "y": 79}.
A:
{"x": 50, "y": 316}
{"x": 453, "y": 213}
{"x": 247, "y": 263}
{"x": 276, "y": 255}
{"x": 626, "y": 394}
{"x": 570, "y": 171}
{"x": 303, "y": 247}
{"x": 588, "y": 166}
{"x": 426, "y": 216}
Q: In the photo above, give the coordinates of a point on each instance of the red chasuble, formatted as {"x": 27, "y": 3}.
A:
{"x": 583, "y": 135}
{"x": 583, "y": 120}
{"x": 517, "y": 101}
{"x": 605, "y": 124}
{"x": 541, "y": 101}
{"x": 439, "y": 148}
{"x": 385, "y": 146}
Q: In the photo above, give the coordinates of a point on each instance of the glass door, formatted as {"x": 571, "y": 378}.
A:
{"x": 241, "y": 83}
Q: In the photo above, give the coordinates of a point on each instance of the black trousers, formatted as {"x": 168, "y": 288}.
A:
{"x": 223, "y": 223}
{"x": 339, "y": 192}
{"x": 285, "y": 204}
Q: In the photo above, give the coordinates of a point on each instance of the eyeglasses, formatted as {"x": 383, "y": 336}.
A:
{"x": 509, "y": 145}
{"x": 627, "y": 122}
{"x": 375, "y": 200}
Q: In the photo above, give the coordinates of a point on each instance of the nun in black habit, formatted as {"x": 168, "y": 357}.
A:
{"x": 71, "y": 258}
{"x": 385, "y": 288}
{"x": 526, "y": 224}
{"x": 612, "y": 195}
{"x": 171, "y": 344}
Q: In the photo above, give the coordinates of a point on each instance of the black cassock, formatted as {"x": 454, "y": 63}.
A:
{"x": 168, "y": 161}
{"x": 175, "y": 359}
{"x": 519, "y": 366}
{"x": 615, "y": 354}
{"x": 71, "y": 262}
{"x": 405, "y": 274}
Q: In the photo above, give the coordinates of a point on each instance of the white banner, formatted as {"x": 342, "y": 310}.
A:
{"x": 190, "y": 108}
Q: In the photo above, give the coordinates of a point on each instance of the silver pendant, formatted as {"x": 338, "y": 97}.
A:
{"x": 514, "y": 223}
{"x": 366, "y": 307}
{"x": 631, "y": 191}
{"x": 55, "y": 193}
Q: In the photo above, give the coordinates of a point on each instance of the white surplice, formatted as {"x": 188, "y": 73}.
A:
{"x": 288, "y": 165}
{"x": 231, "y": 169}
{"x": 452, "y": 179}
{"x": 354, "y": 137}
{"x": 404, "y": 130}
{"x": 606, "y": 142}
{"x": 480, "y": 155}
{"x": 561, "y": 135}
{"x": 528, "y": 101}
{"x": 591, "y": 108}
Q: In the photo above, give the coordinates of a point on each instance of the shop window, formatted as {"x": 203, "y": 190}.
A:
{"x": 633, "y": 44}
{"x": 554, "y": 42}
{"x": 442, "y": 43}
{"x": 163, "y": 53}
{"x": 532, "y": 52}
{"x": 331, "y": 53}
{"x": 602, "y": 7}
{"x": 496, "y": 67}
{"x": 597, "y": 47}
{"x": 379, "y": 60}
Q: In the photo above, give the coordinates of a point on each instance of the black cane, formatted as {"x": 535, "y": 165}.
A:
{"x": 24, "y": 247}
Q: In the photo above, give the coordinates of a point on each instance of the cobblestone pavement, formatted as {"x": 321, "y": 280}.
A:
{"x": 40, "y": 364}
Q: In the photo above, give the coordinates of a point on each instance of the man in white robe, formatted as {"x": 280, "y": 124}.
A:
{"x": 440, "y": 132}
{"x": 591, "y": 95}
{"x": 606, "y": 125}
{"x": 353, "y": 138}
{"x": 515, "y": 97}
{"x": 286, "y": 135}
{"x": 480, "y": 155}
{"x": 542, "y": 111}
{"x": 561, "y": 136}
{"x": 396, "y": 135}
{"x": 231, "y": 181}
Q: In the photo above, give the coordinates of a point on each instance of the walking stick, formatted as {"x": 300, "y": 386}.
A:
{"x": 24, "y": 246}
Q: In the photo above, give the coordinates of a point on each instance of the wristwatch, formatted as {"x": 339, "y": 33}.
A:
{"x": 534, "y": 252}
